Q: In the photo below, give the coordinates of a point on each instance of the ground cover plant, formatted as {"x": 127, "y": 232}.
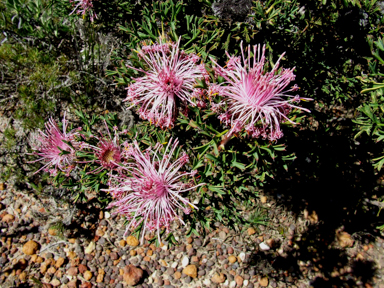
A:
{"x": 185, "y": 111}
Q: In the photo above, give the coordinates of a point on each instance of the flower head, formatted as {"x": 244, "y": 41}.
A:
{"x": 108, "y": 152}
{"x": 53, "y": 149}
{"x": 151, "y": 193}
{"x": 256, "y": 99}
{"x": 168, "y": 82}
{"x": 84, "y": 6}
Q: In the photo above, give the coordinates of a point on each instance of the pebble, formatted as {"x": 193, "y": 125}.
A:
{"x": 185, "y": 262}
{"x": 264, "y": 247}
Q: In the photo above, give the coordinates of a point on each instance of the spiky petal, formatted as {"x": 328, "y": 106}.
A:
{"x": 53, "y": 149}
{"x": 151, "y": 193}
{"x": 84, "y": 6}
{"x": 168, "y": 83}
{"x": 256, "y": 99}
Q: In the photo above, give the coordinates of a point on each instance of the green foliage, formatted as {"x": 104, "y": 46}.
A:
{"x": 370, "y": 119}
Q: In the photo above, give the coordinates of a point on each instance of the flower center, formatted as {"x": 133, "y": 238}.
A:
{"x": 169, "y": 82}
{"x": 108, "y": 155}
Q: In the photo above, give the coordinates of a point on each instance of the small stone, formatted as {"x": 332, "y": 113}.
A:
{"x": 99, "y": 278}
{"x": 242, "y": 256}
{"x": 87, "y": 275}
{"x": 222, "y": 235}
{"x": 100, "y": 232}
{"x": 53, "y": 232}
{"x": 232, "y": 259}
{"x": 264, "y": 247}
{"x": 72, "y": 240}
{"x": 30, "y": 247}
{"x": 230, "y": 250}
{"x": 71, "y": 255}
{"x": 107, "y": 215}
{"x": 251, "y": 231}
{"x": 132, "y": 241}
{"x": 8, "y": 218}
{"x": 218, "y": 278}
{"x": 101, "y": 215}
{"x": 344, "y": 239}
{"x": 86, "y": 285}
{"x": 239, "y": 280}
{"x": 82, "y": 268}
{"x": 51, "y": 270}
{"x": 55, "y": 282}
{"x": 90, "y": 248}
{"x": 72, "y": 271}
{"x": 163, "y": 263}
{"x": 2, "y": 186}
{"x": 177, "y": 275}
{"x": 185, "y": 262}
{"x": 43, "y": 268}
{"x": 263, "y": 282}
{"x": 122, "y": 243}
{"x": 263, "y": 199}
{"x": 23, "y": 276}
{"x": 59, "y": 262}
{"x": 132, "y": 275}
{"x": 190, "y": 270}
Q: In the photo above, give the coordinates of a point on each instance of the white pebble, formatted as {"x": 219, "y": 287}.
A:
{"x": 264, "y": 247}
{"x": 174, "y": 265}
{"x": 245, "y": 283}
{"x": 226, "y": 283}
{"x": 107, "y": 215}
{"x": 207, "y": 282}
{"x": 232, "y": 284}
{"x": 90, "y": 248}
{"x": 185, "y": 262}
{"x": 242, "y": 256}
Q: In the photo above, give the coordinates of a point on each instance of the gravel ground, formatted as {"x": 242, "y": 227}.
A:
{"x": 88, "y": 250}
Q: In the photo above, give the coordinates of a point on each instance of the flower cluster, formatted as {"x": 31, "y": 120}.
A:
{"x": 256, "y": 99}
{"x": 84, "y": 6}
{"x": 167, "y": 84}
{"x": 55, "y": 148}
{"x": 150, "y": 192}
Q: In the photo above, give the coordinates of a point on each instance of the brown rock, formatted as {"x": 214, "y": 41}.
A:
{"x": 163, "y": 263}
{"x": 232, "y": 259}
{"x": 23, "y": 276}
{"x": 132, "y": 275}
{"x": 22, "y": 264}
{"x": 149, "y": 252}
{"x": 189, "y": 240}
{"x": 133, "y": 253}
{"x": 52, "y": 270}
{"x": 43, "y": 268}
{"x": 122, "y": 243}
{"x": 239, "y": 280}
{"x": 8, "y": 218}
{"x": 72, "y": 271}
{"x": 39, "y": 260}
{"x": 230, "y": 250}
{"x": 87, "y": 275}
{"x": 270, "y": 242}
{"x": 132, "y": 241}
{"x": 72, "y": 284}
{"x": 86, "y": 285}
{"x": 30, "y": 247}
{"x": 72, "y": 240}
{"x": 177, "y": 275}
{"x": 100, "y": 232}
{"x": 71, "y": 255}
{"x": 251, "y": 231}
{"x": 218, "y": 278}
{"x": 99, "y": 278}
{"x": 82, "y": 268}
{"x": 101, "y": 215}
{"x": 147, "y": 258}
{"x": 344, "y": 239}
{"x": 52, "y": 231}
{"x": 59, "y": 262}
{"x": 55, "y": 282}
{"x": 2, "y": 186}
{"x": 190, "y": 270}
{"x": 263, "y": 282}
{"x": 263, "y": 199}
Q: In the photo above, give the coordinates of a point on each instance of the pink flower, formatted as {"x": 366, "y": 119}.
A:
{"x": 108, "y": 152}
{"x": 256, "y": 99}
{"x": 151, "y": 193}
{"x": 54, "y": 152}
{"x": 84, "y": 6}
{"x": 168, "y": 83}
